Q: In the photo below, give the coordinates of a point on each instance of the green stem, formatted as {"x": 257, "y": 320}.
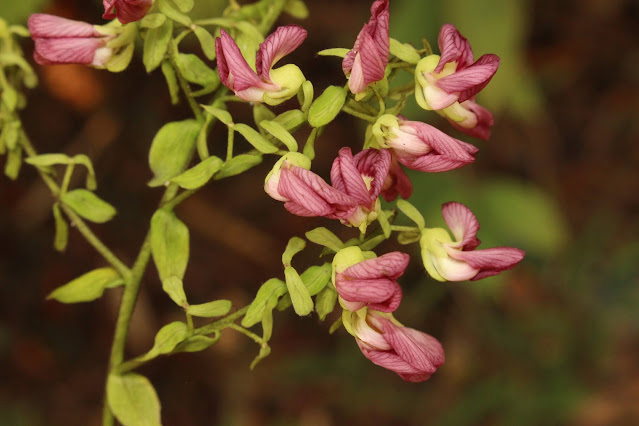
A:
{"x": 221, "y": 324}
{"x": 67, "y": 178}
{"x": 186, "y": 88}
{"x": 229, "y": 147}
{"x": 358, "y": 114}
{"x": 257, "y": 339}
{"x": 400, "y": 228}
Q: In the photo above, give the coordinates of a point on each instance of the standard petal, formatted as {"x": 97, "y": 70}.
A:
{"x": 66, "y": 50}
{"x": 391, "y": 265}
{"x": 462, "y": 223}
{"x": 431, "y": 163}
{"x": 418, "y": 349}
{"x": 304, "y": 200}
{"x": 373, "y": 62}
{"x": 444, "y": 144}
{"x": 346, "y": 178}
{"x": 378, "y": 28}
{"x": 277, "y": 45}
{"x": 489, "y": 261}
{"x": 237, "y": 72}
{"x": 42, "y": 25}
{"x": 453, "y": 47}
{"x": 469, "y": 81}
{"x": 374, "y": 163}
{"x": 109, "y": 9}
{"x": 324, "y": 190}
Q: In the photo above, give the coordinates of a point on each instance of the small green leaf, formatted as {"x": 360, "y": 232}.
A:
{"x": 325, "y": 302}
{"x": 171, "y": 150}
{"x": 334, "y": 52}
{"x": 337, "y": 324}
{"x": 411, "y": 212}
{"x": 87, "y": 287}
{"x": 264, "y": 352}
{"x": 307, "y": 90}
{"x": 169, "y": 244}
{"x": 280, "y": 132}
{"x": 254, "y": 138}
{"x": 404, "y": 51}
{"x": 408, "y": 237}
{"x": 291, "y": 120}
{"x": 196, "y": 343}
{"x": 302, "y": 302}
{"x": 260, "y": 113}
{"x": 174, "y": 287}
{"x": 171, "y": 81}
{"x": 11, "y": 134}
{"x": 370, "y": 244}
{"x": 316, "y": 277}
{"x": 223, "y": 115}
{"x": 61, "y": 229}
{"x": 82, "y": 159}
{"x": 327, "y": 106}
{"x": 267, "y": 320}
{"x": 47, "y": 160}
{"x": 309, "y": 146}
{"x": 207, "y": 42}
{"x": 88, "y": 205}
{"x": 10, "y": 97}
{"x": 294, "y": 246}
{"x": 184, "y": 5}
{"x": 326, "y": 238}
{"x": 271, "y": 288}
{"x": 153, "y": 20}
{"x": 168, "y": 338}
{"x": 156, "y": 44}
{"x": 199, "y": 175}
{"x": 14, "y": 162}
{"x": 196, "y": 71}
{"x": 296, "y": 8}
{"x": 121, "y": 61}
{"x": 166, "y": 7}
{"x": 238, "y": 164}
{"x": 133, "y": 400}
{"x": 384, "y": 223}
{"x": 216, "y": 308}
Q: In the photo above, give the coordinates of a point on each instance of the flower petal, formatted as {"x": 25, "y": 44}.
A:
{"x": 418, "y": 349}
{"x": 471, "y": 80}
{"x": 346, "y": 178}
{"x": 49, "y": 51}
{"x": 391, "y": 265}
{"x": 277, "y": 45}
{"x": 481, "y": 124}
{"x": 126, "y": 10}
{"x": 397, "y": 183}
{"x": 323, "y": 189}
{"x": 374, "y": 163}
{"x": 453, "y": 47}
{"x": 389, "y": 360}
{"x": 462, "y": 223}
{"x": 384, "y": 293}
{"x": 490, "y": 261}
{"x": 235, "y": 72}
{"x": 304, "y": 201}
{"x": 42, "y": 25}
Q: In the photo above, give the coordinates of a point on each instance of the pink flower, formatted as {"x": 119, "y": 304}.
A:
{"x": 448, "y": 260}
{"x": 470, "y": 118}
{"x": 413, "y": 355}
{"x": 126, "y": 10}
{"x": 422, "y": 147}
{"x": 64, "y": 41}
{"x": 361, "y": 177}
{"x": 397, "y": 183}
{"x": 366, "y": 62}
{"x": 372, "y": 283}
{"x": 265, "y": 85}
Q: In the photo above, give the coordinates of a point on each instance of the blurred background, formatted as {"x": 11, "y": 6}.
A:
{"x": 552, "y": 342}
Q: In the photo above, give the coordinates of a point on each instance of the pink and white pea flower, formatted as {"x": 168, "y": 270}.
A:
{"x": 65, "y": 41}
{"x": 448, "y": 83}
{"x": 126, "y": 10}
{"x": 397, "y": 182}
{"x": 265, "y": 84}
{"x": 362, "y": 177}
{"x": 420, "y": 146}
{"x": 410, "y": 353}
{"x": 366, "y": 62}
{"x": 362, "y": 280}
{"x": 446, "y": 259}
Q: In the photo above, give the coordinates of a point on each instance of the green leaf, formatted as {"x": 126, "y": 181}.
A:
{"x": 408, "y": 237}
{"x": 11, "y": 134}
{"x": 196, "y": 71}
{"x": 153, "y": 20}
{"x": 372, "y": 243}
{"x": 307, "y": 91}
{"x": 216, "y": 308}
{"x": 302, "y": 302}
{"x": 271, "y": 288}
{"x": 384, "y": 223}
{"x": 169, "y": 244}
{"x": 260, "y": 113}
{"x": 171, "y": 81}
{"x": 171, "y": 12}
{"x": 174, "y": 287}
{"x": 61, "y": 229}
{"x": 280, "y": 132}
{"x": 412, "y": 213}
{"x": 184, "y": 5}
{"x": 267, "y": 319}
{"x": 238, "y": 164}
{"x": 133, "y": 400}
{"x": 121, "y": 61}
{"x": 196, "y": 343}
{"x": 207, "y": 42}
{"x": 10, "y": 97}
{"x": 325, "y": 302}
{"x": 294, "y": 246}
{"x": 309, "y": 146}
{"x": 47, "y": 160}
{"x": 156, "y": 44}
{"x": 168, "y": 338}
{"x": 334, "y": 52}
{"x": 326, "y": 238}
{"x": 88, "y": 205}
{"x": 14, "y": 162}
{"x": 316, "y": 277}
{"x": 251, "y": 31}
{"x": 327, "y": 106}
{"x": 171, "y": 150}
{"x": 82, "y": 159}
{"x": 254, "y": 138}
{"x": 223, "y": 115}
{"x": 199, "y": 175}
{"x": 296, "y": 8}
{"x": 87, "y": 287}
{"x": 291, "y": 120}
{"x": 264, "y": 352}
{"x": 405, "y": 51}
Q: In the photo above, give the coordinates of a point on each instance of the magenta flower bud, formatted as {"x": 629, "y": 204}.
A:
{"x": 412, "y": 354}
{"x": 397, "y": 183}
{"x": 64, "y": 41}
{"x": 422, "y": 147}
{"x": 372, "y": 283}
{"x": 362, "y": 177}
{"x": 459, "y": 260}
{"x": 366, "y": 62}
{"x": 126, "y": 10}
{"x": 265, "y": 85}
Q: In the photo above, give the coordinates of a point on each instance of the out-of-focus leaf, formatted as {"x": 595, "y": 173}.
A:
{"x": 133, "y": 400}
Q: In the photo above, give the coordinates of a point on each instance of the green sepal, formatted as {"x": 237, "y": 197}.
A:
{"x": 87, "y": 287}
{"x": 88, "y": 205}
{"x": 309, "y": 146}
{"x": 307, "y": 93}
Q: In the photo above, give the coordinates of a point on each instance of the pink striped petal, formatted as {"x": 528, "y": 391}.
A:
{"x": 472, "y": 79}
{"x": 381, "y": 294}
{"x": 42, "y": 25}
{"x": 378, "y": 27}
{"x": 346, "y": 178}
{"x": 462, "y": 223}
{"x": 374, "y": 163}
{"x": 49, "y": 51}
{"x": 235, "y": 72}
{"x": 444, "y": 144}
{"x": 397, "y": 183}
{"x": 277, "y": 45}
{"x": 389, "y": 360}
{"x": 482, "y": 123}
{"x": 126, "y": 10}
{"x": 490, "y": 261}
{"x": 324, "y": 190}
{"x": 304, "y": 201}
{"x": 420, "y": 350}
{"x": 431, "y": 163}
{"x": 453, "y": 47}
{"x": 391, "y": 265}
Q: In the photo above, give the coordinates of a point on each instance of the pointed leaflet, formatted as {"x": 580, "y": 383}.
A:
{"x": 200, "y": 174}
{"x": 302, "y": 302}
{"x": 133, "y": 400}
{"x": 169, "y": 244}
{"x": 217, "y": 308}
{"x": 238, "y": 164}
{"x": 88, "y": 205}
{"x": 87, "y": 287}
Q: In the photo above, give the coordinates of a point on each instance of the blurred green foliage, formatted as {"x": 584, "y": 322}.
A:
{"x": 17, "y": 12}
